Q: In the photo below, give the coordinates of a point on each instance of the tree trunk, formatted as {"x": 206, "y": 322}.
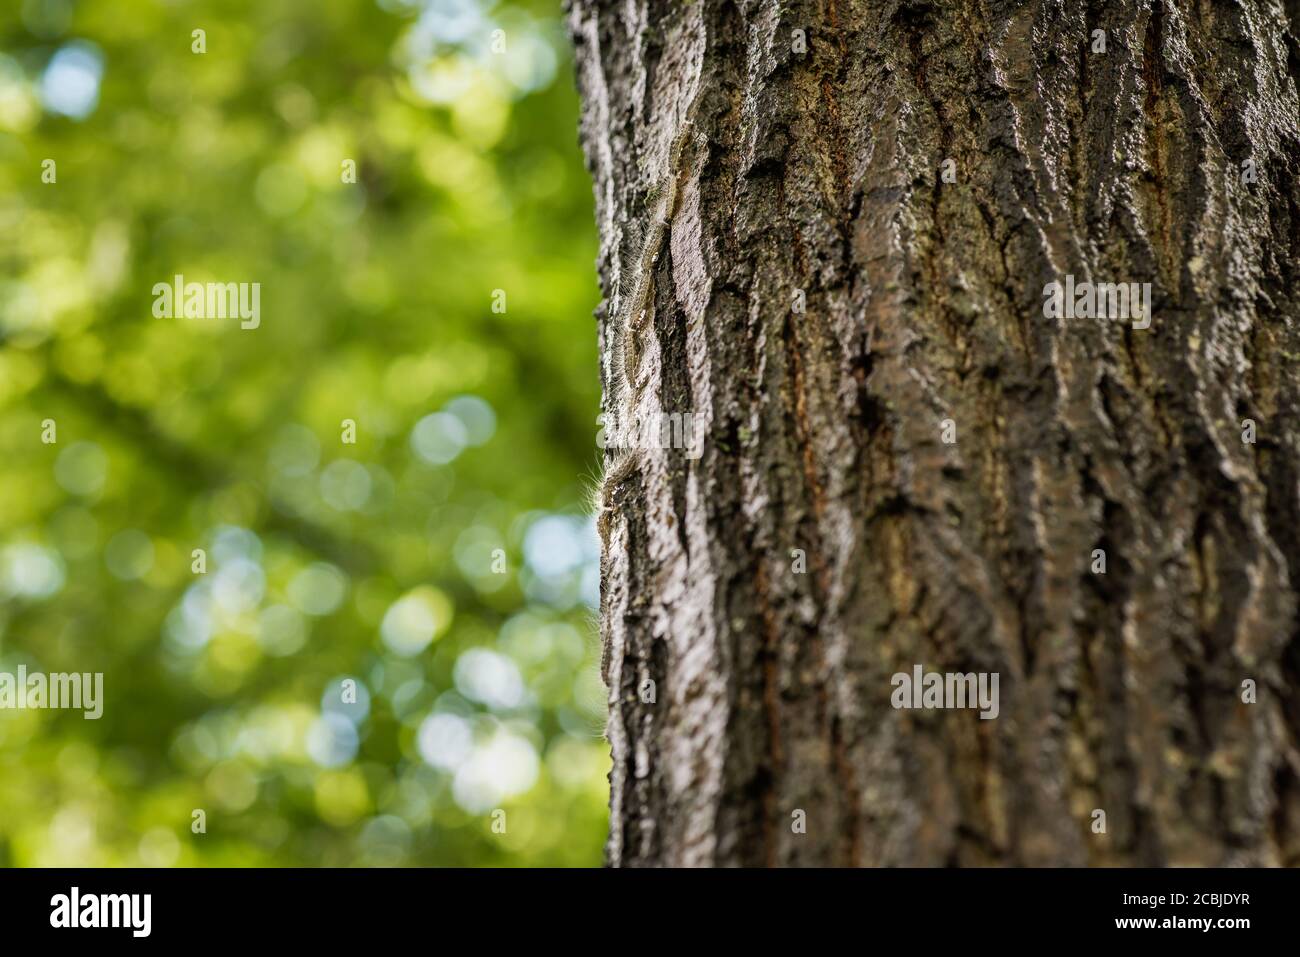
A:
{"x": 911, "y": 457}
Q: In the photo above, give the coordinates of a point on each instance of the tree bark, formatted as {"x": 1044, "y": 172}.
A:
{"x": 886, "y": 397}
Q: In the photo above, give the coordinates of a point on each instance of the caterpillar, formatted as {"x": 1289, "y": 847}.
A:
{"x": 633, "y": 315}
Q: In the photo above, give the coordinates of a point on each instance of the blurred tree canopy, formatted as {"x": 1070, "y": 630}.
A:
{"x": 383, "y": 644}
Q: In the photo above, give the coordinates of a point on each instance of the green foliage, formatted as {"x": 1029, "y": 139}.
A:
{"x": 476, "y": 669}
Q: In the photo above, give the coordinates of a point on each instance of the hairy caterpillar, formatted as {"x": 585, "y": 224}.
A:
{"x": 632, "y": 315}
{"x": 635, "y": 312}
{"x": 602, "y": 502}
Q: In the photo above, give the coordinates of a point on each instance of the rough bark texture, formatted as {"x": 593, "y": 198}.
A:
{"x": 821, "y": 172}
